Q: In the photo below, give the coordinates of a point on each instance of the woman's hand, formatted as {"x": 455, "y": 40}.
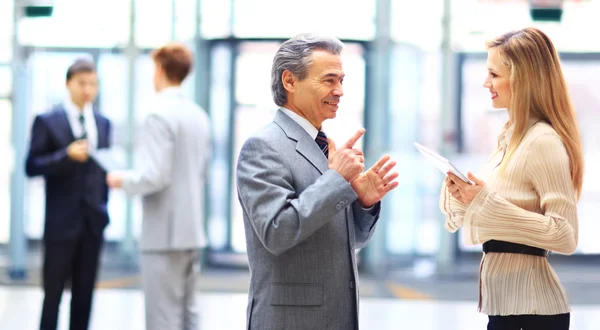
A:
{"x": 453, "y": 189}
{"x": 463, "y": 191}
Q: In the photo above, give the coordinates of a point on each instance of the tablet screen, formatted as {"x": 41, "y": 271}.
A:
{"x": 440, "y": 162}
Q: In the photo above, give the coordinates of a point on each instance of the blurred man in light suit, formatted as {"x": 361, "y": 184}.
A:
{"x": 176, "y": 151}
{"x": 307, "y": 205}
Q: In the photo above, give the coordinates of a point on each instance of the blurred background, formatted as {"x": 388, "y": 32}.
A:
{"x": 414, "y": 72}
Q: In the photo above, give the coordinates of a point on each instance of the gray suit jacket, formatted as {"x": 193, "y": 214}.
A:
{"x": 175, "y": 149}
{"x": 302, "y": 226}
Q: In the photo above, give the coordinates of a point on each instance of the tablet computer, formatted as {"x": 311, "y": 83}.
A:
{"x": 441, "y": 163}
{"x": 107, "y": 160}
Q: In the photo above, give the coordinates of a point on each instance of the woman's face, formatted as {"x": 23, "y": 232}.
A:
{"x": 497, "y": 80}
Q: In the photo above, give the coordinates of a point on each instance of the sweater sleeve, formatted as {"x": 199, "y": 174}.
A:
{"x": 452, "y": 208}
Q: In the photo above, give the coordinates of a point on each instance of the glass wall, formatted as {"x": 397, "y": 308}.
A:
{"x": 53, "y": 43}
{"x": 413, "y": 228}
{"x": 215, "y": 19}
{"x": 415, "y": 115}
{"x": 357, "y": 21}
{"x": 241, "y": 44}
{"x": 161, "y": 21}
{"x": 6, "y": 33}
{"x": 475, "y": 21}
{"x": 106, "y": 25}
{"x": 240, "y": 98}
{"x": 221, "y": 79}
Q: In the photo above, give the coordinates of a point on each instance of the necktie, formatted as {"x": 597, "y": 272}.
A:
{"x": 323, "y": 143}
{"x": 83, "y": 131}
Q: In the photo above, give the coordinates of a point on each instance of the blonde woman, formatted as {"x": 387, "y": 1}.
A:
{"x": 523, "y": 204}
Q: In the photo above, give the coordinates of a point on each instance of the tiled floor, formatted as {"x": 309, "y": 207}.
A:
{"x": 123, "y": 309}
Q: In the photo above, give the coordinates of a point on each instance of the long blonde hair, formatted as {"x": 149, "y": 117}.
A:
{"x": 538, "y": 89}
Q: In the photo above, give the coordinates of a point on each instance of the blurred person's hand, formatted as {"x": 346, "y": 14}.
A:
{"x": 78, "y": 151}
{"x": 114, "y": 179}
{"x": 372, "y": 185}
{"x": 466, "y": 191}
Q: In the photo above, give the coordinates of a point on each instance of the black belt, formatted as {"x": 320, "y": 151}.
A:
{"x": 507, "y": 247}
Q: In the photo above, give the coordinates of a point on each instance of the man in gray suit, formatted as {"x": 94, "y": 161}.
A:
{"x": 171, "y": 176}
{"x": 307, "y": 206}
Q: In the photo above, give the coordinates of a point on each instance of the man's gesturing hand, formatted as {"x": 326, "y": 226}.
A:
{"x": 372, "y": 185}
{"x": 346, "y": 160}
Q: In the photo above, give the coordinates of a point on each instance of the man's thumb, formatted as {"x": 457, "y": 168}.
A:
{"x": 331, "y": 146}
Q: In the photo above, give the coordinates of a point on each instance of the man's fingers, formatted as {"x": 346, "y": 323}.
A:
{"x": 386, "y": 168}
{"x": 379, "y": 164}
{"x": 350, "y": 143}
{"x": 391, "y": 186}
{"x": 352, "y": 152}
{"x": 390, "y": 177}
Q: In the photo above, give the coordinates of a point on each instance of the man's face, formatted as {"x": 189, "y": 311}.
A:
{"x": 83, "y": 87}
{"x": 316, "y": 97}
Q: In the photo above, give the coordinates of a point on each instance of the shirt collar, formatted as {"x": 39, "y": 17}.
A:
{"x": 303, "y": 122}
{"x": 172, "y": 90}
{"x": 74, "y": 110}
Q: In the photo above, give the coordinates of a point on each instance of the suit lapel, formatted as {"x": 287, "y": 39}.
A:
{"x": 63, "y": 129}
{"x": 305, "y": 145}
{"x": 101, "y": 129}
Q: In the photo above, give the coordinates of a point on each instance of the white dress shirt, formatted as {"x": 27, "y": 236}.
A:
{"x": 303, "y": 122}
{"x": 73, "y": 112}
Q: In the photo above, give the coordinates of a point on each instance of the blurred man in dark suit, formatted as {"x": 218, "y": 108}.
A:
{"x": 76, "y": 194}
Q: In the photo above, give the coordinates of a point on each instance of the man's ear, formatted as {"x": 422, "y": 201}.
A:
{"x": 289, "y": 80}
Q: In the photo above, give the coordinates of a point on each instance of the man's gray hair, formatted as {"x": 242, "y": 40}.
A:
{"x": 295, "y": 55}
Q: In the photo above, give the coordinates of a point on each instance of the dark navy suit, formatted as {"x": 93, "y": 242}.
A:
{"x": 76, "y": 214}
